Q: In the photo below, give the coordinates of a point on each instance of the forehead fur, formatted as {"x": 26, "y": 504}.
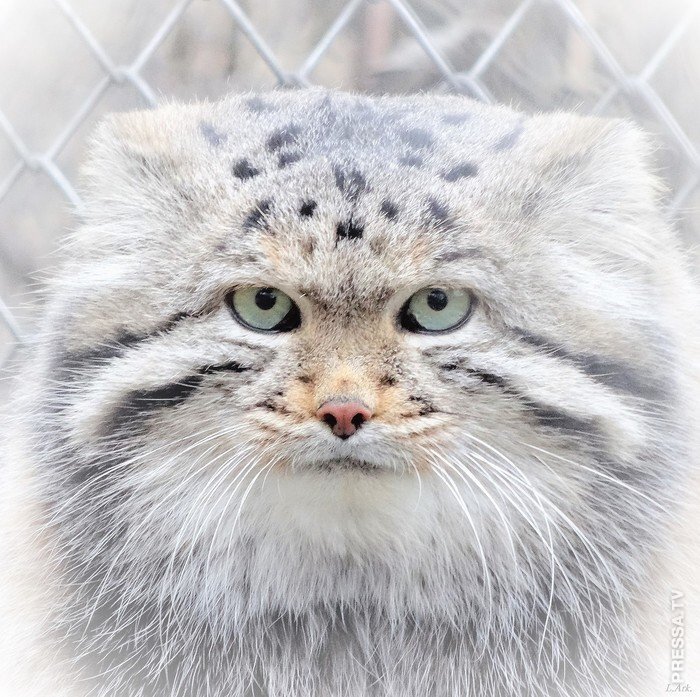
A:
{"x": 337, "y": 194}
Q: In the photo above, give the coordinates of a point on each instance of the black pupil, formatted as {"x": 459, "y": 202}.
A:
{"x": 437, "y": 299}
{"x": 265, "y": 298}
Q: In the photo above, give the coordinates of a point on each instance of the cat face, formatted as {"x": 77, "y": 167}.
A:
{"x": 465, "y": 378}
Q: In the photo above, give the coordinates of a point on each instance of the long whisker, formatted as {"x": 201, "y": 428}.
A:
{"x": 464, "y": 472}
{"x": 598, "y": 473}
{"x": 452, "y": 488}
{"x": 548, "y": 541}
{"x": 575, "y": 528}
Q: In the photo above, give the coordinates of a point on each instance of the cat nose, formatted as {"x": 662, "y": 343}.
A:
{"x": 344, "y": 416}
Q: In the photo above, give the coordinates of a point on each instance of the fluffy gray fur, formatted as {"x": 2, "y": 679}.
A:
{"x": 496, "y": 529}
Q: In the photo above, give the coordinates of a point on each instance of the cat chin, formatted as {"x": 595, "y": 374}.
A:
{"x": 334, "y": 500}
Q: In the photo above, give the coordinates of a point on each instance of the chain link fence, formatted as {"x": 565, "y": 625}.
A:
{"x": 67, "y": 62}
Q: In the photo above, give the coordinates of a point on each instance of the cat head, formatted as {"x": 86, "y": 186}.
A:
{"x": 315, "y": 337}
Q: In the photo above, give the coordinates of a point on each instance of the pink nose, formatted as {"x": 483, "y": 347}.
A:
{"x": 344, "y": 416}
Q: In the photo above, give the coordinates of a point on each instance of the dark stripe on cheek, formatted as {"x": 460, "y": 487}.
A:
{"x": 632, "y": 474}
{"x": 230, "y": 367}
{"x": 68, "y": 365}
{"x": 550, "y": 417}
{"x": 488, "y": 378}
{"x": 138, "y": 404}
{"x": 613, "y": 374}
{"x": 545, "y": 414}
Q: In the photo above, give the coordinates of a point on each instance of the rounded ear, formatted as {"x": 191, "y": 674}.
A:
{"x": 592, "y": 183}
{"x": 131, "y": 150}
{"x": 142, "y": 174}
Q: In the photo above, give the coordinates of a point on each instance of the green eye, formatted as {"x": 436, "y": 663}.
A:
{"x": 436, "y": 310}
{"x": 264, "y": 309}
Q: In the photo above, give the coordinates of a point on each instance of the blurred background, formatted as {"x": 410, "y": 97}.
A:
{"x": 65, "y": 63}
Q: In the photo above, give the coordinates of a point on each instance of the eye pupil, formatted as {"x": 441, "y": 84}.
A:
{"x": 437, "y": 299}
{"x": 265, "y": 298}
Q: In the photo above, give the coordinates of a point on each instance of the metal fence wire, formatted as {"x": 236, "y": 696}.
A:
{"x": 66, "y": 63}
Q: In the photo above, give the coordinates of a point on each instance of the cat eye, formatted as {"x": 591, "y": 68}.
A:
{"x": 264, "y": 309}
{"x": 436, "y": 310}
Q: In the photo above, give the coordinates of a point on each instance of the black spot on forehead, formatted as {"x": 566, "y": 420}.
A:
{"x": 349, "y": 230}
{"x": 307, "y": 209}
{"x": 411, "y": 161}
{"x": 461, "y": 171}
{"x": 288, "y": 158}
{"x": 244, "y": 170}
{"x": 437, "y": 210}
{"x": 257, "y": 105}
{"x": 510, "y": 139}
{"x": 255, "y": 220}
{"x": 417, "y": 137}
{"x": 211, "y": 135}
{"x": 351, "y": 182}
{"x": 284, "y": 136}
{"x": 389, "y": 209}
{"x": 456, "y": 118}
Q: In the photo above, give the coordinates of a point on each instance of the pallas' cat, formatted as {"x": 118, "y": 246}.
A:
{"x": 338, "y": 396}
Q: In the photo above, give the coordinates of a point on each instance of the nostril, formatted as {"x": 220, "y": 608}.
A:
{"x": 330, "y": 420}
{"x": 358, "y": 419}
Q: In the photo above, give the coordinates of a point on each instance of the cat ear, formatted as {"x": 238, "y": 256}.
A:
{"x": 131, "y": 153}
{"x": 591, "y": 183}
{"x": 143, "y": 179}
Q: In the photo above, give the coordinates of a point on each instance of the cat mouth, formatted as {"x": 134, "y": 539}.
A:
{"x": 345, "y": 463}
